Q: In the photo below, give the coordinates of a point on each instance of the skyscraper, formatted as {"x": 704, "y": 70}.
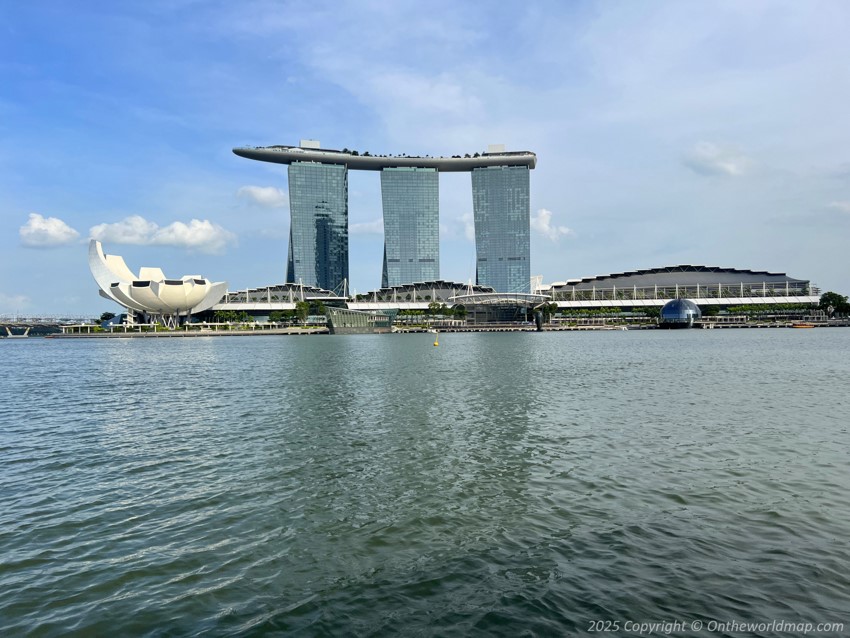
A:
{"x": 501, "y": 208}
{"x": 318, "y": 201}
{"x": 318, "y": 232}
{"x": 410, "y": 197}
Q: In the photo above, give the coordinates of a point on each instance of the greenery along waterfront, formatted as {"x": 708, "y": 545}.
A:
{"x": 304, "y": 309}
{"x": 832, "y": 306}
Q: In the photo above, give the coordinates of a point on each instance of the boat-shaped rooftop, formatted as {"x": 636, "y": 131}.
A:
{"x": 367, "y": 162}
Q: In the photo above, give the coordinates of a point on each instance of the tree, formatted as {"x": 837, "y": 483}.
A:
{"x": 231, "y": 316}
{"x": 548, "y": 309}
{"x": 302, "y": 310}
{"x": 436, "y": 308}
{"x": 838, "y": 302}
{"x": 106, "y": 316}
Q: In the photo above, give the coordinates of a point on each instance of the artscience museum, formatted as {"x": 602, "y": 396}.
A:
{"x": 151, "y": 293}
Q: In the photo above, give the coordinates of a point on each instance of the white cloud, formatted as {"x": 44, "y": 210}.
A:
{"x": 443, "y": 94}
{"x": 44, "y": 232}
{"x": 468, "y": 222}
{"x": 458, "y": 227}
{"x": 268, "y": 196}
{"x": 707, "y": 158}
{"x": 198, "y": 234}
{"x": 201, "y": 235}
{"x": 375, "y": 227}
{"x": 542, "y": 223}
{"x": 130, "y": 230}
{"x": 844, "y": 206}
{"x": 412, "y": 93}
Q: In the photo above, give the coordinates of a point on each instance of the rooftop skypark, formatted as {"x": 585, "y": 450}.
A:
{"x": 367, "y": 162}
{"x": 318, "y": 204}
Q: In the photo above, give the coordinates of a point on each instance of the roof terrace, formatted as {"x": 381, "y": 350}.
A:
{"x": 368, "y": 162}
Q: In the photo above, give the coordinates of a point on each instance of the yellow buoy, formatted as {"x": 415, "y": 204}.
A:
{"x": 436, "y": 343}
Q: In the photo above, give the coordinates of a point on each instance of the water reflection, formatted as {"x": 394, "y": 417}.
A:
{"x": 377, "y": 484}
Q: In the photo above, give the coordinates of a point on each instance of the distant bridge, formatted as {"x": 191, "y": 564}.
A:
{"x": 42, "y": 320}
{"x": 19, "y": 326}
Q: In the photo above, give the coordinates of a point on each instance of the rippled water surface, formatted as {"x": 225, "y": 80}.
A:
{"x": 499, "y": 484}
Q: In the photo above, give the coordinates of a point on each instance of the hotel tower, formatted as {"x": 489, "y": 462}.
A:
{"x": 318, "y": 202}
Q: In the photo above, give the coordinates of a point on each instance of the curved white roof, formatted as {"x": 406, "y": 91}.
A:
{"x": 151, "y": 291}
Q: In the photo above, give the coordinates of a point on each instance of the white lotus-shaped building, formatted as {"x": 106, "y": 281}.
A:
{"x": 151, "y": 292}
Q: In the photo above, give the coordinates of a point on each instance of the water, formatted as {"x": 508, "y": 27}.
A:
{"x": 499, "y": 484}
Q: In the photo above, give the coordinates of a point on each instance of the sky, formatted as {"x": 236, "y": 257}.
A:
{"x": 679, "y": 132}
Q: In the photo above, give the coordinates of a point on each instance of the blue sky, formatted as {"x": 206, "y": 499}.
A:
{"x": 666, "y": 132}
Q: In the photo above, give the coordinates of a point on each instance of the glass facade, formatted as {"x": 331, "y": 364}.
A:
{"x": 318, "y": 232}
{"x": 502, "y": 211}
{"x": 410, "y": 198}
{"x": 679, "y": 313}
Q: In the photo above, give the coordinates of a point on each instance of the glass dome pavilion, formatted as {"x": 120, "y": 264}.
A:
{"x": 679, "y": 313}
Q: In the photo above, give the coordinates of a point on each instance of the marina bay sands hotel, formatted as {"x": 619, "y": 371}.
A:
{"x": 318, "y": 204}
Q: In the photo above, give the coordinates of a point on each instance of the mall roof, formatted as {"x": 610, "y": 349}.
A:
{"x": 723, "y": 271}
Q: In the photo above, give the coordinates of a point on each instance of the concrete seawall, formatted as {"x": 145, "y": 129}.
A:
{"x": 190, "y": 333}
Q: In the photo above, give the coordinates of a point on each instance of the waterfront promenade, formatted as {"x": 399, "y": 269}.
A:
{"x": 87, "y": 331}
